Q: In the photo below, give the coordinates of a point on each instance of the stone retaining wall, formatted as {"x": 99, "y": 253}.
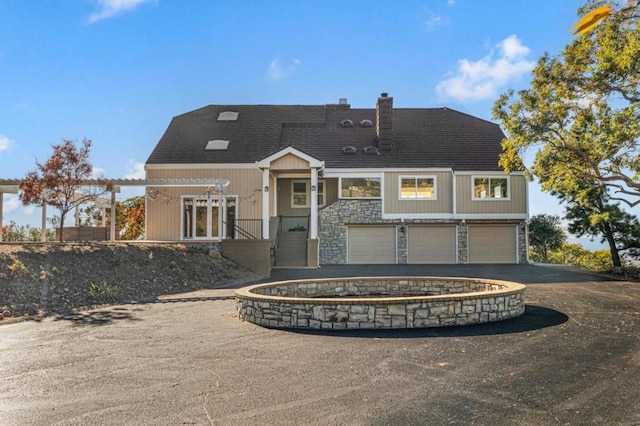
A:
{"x": 412, "y": 302}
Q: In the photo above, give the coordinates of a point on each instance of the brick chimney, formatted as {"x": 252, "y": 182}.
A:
{"x": 384, "y": 122}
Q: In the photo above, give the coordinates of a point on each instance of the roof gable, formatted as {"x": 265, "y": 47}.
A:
{"x": 288, "y": 153}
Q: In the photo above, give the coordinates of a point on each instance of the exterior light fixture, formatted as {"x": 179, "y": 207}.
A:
{"x": 313, "y": 188}
{"x": 266, "y": 189}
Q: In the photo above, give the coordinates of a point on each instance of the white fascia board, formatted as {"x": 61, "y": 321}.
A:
{"x": 517, "y": 216}
{"x": 352, "y": 173}
{"x": 488, "y": 173}
{"x": 417, "y": 170}
{"x": 191, "y": 166}
{"x": 313, "y": 162}
{"x": 410, "y": 216}
{"x": 337, "y": 172}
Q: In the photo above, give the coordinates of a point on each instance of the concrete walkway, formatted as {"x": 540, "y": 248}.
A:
{"x": 572, "y": 359}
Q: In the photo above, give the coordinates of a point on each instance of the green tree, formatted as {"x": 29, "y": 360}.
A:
{"x": 545, "y": 234}
{"x": 582, "y": 112}
{"x": 599, "y": 219}
{"x": 60, "y": 180}
{"x": 576, "y": 255}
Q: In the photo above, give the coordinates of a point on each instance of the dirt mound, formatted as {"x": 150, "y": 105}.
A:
{"x": 39, "y": 277}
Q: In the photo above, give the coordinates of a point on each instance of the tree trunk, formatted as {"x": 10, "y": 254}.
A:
{"x": 544, "y": 255}
{"x": 62, "y": 215}
{"x": 613, "y": 249}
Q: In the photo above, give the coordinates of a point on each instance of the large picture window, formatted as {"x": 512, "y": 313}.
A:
{"x": 417, "y": 187}
{"x": 490, "y": 188}
{"x": 360, "y": 187}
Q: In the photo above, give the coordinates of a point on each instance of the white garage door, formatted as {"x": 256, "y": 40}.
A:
{"x": 371, "y": 244}
{"x": 492, "y": 244}
{"x": 432, "y": 244}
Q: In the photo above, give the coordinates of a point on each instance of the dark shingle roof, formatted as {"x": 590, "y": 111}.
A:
{"x": 423, "y": 137}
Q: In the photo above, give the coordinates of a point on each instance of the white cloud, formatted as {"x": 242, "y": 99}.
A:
{"x": 433, "y": 21}
{"x": 5, "y": 143}
{"x": 135, "y": 170}
{"x": 279, "y": 72}
{"x": 110, "y": 8}
{"x": 481, "y": 79}
{"x": 11, "y": 203}
{"x": 97, "y": 173}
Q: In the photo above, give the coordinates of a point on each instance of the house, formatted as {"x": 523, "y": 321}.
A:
{"x": 329, "y": 184}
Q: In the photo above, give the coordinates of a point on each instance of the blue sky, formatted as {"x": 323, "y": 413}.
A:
{"x": 117, "y": 71}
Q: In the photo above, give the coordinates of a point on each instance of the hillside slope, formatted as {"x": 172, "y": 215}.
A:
{"x": 36, "y": 278}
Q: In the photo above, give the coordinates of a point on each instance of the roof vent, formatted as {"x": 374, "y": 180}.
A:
{"x": 370, "y": 150}
{"x": 346, "y": 123}
{"x": 349, "y": 149}
{"x": 217, "y": 145}
{"x": 343, "y": 101}
{"x": 366, "y": 123}
{"x": 228, "y": 116}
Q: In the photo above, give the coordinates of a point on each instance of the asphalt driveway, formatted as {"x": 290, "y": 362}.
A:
{"x": 572, "y": 359}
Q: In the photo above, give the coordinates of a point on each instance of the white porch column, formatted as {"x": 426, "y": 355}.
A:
{"x": 313, "y": 223}
{"x": 265, "y": 203}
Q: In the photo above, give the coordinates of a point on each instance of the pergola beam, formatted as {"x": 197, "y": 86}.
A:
{"x": 11, "y": 186}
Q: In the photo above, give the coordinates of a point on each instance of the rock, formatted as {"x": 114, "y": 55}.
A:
{"x": 6, "y": 313}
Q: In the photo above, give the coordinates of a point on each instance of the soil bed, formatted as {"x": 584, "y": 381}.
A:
{"x": 36, "y": 278}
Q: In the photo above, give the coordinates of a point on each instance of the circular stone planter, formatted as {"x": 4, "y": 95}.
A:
{"x": 379, "y": 302}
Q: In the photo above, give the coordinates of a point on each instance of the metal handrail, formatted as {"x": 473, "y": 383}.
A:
{"x": 256, "y": 224}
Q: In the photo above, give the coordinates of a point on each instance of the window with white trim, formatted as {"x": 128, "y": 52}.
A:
{"x": 301, "y": 194}
{"x": 200, "y": 218}
{"x": 417, "y": 187}
{"x": 360, "y": 187}
{"x": 490, "y": 188}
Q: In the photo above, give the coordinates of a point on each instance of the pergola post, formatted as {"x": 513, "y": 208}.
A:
{"x": 1, "y": 200}
{"x": 5, "y": 189}
{"x": 112, "y": 233}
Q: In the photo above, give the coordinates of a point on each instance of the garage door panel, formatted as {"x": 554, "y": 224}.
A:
{"x": 432, "y": 244}
{"x": 371, "y": 244}
{"x": 492, "y": 244}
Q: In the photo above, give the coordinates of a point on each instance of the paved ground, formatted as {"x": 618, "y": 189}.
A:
{"x": 572, "y": 359}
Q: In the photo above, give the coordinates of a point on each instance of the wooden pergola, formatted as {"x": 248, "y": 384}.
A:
{"x": 12, "y": 186}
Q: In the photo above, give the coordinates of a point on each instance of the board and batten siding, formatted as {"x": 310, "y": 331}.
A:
{"x": 164, "y": 218}
{"x": 442, "y": 204}
{"x": 515, "y": 204}
{"x": 289, "y": 162}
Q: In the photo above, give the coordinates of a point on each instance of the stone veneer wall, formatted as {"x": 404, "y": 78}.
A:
{"x": 500, "y": 300}
{"x": 523, "y": 243}
{"x": 333, "y": 221}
